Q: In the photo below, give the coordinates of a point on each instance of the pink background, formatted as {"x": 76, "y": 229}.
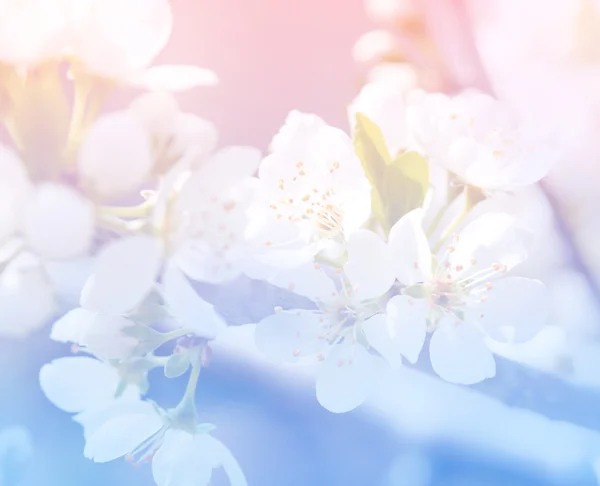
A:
{"x": 271, "y": 56}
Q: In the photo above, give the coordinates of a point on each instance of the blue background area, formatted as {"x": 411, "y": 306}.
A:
{"x": 276, "y": 429}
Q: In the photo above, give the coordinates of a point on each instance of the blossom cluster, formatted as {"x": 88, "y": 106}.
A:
{"x": 383, "y": 229}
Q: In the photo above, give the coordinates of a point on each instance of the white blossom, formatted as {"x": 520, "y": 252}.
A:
{"x": 313, "y": 192}
{"x": 475, "y": 137}
{"x": 342, "y": 332}
{"x": 115, "y": 157}
{"x": 199, "y": 222}
{"x": 463, "y": 296}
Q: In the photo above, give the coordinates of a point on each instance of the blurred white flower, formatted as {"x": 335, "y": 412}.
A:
{"x": 313, "y": 192}
{"x": 115, "y": 156}
{"x": 199, "y": 223}
{"x": 32, "y": 30}
{"x": 463, "y": 295}
{"x": 103, "y": 336}
{"x": 59, "y": 222}
{"x": 385, "y": 104}
{"x": 391, "y": 10}
{"x": 115, "y": 39}
{"x": 179, "y": 454}
{"x": 27, "y": 299}
{"x": 341, "y": 333}
{"x": 474, "y": 136}
{"x": 174, "y": 133}
{"x": 15, "y": 191}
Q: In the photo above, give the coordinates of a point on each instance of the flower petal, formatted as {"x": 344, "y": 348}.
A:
{"x": 122, "y": 432}
{"x": 15, "y": 189}
{"x": 174, "y": 78}
{"x": 491, "y": 239}
{"x": 187, "y": 307}
{"x": 228, "y": 462}
{"x": 458, "y": 353}
{"x": 116, "y": 38}
{"x": 406, "y": 318}
{"x": 71, "y": 327}
{"x": 410, "y": 249}
{"x": 369, "y": 267}
{"x": 115, "y": 156}
{"x": 346, "y": 378}
{"x": 378, "y": 334}
{"x": 183, "y": 460}
{"x": 59, "y": 223}
{"x": 78, "y": 383}
{"x": 22, "y": 283}
{"x": 305, "y": 280}
{"x": 124, "y": 273}
{"x": 514, "y": 309}
{"x": 288, "y": 336}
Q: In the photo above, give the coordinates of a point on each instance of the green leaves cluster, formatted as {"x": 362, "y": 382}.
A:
{"x": 399, "y": 184}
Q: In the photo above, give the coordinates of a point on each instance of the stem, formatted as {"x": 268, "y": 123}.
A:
{"x": 450, "y": 229}
{"x": 185, "y": 412}
{"x": 139, "y": 211}
{"x": 119, "y": 225}
{"x": 177, "y": 333}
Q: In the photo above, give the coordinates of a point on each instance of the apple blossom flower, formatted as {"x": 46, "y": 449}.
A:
{"x": 474, "y": 136}
{"x": 180, "y": 453}
{"x": 313, "y": 192}
{"x": 197, "y": 227}
{"x": 340, "y": 334}
{"x": 463, "y": 295}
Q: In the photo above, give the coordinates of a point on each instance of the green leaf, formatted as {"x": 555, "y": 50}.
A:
{"x": 398, "y": 185}
{"x": 371, "y": 149}
{"x": 177, "y": 365}
{"x": 404, "y": 187}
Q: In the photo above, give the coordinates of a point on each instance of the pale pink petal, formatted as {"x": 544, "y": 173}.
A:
{"x": 173, "y": 78}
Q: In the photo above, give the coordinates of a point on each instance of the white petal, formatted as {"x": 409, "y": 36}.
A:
{"x": 191, "y": 132}
{"x": 183, "y": 460}
{"x": 369, "y": 265}
{"x": 515, "y": 309}
{"x": 188, "y": 307}
{"x": 406, "y": 318}
{"x": 22, "y": 283}
{"x": 492, "y": 238}
{"x": 115, "y": 157}
{"x": 157, "y": 111}
{"x": 410, "y": 249}
{"x": 346, "y": 378}
{"x": 59, "y": 223}
{"x": 459, "y": 355}
{"x": 117, "y": 38}
{"x": 124, "y": 272}
{"x": 105, "y": 338}
{"x": 72, "y": 327}
{"x": 78, "y": 383}
{"x": 15, "y": 189}
{"x": 305, "y": 280}
{"x": 228, "y": 462}
{"x": 121, "y": 433}
{"x": 378, "y": 335}
{"x": 174, "y": 78}
{"x": 290, "y": 335}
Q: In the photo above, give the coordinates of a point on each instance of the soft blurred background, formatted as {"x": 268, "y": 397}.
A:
{"x": 537, "y": 422}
